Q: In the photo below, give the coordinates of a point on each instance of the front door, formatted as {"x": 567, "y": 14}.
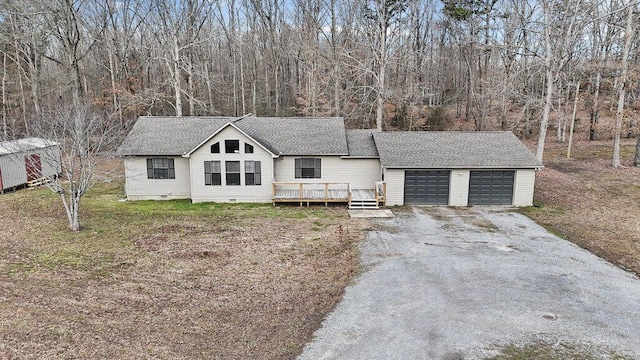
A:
{"x": 33, "y": 166}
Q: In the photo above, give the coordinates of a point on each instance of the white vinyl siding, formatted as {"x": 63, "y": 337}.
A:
{"x": 459, "y": 188}
{"x": 231, "y": 193}
{"x": 523, "y": 187}
{"x": 139, "y": 187}
{"x": 395, "y": 186}
{"x": 13, "y": 167}
{"x": 360, "y": 173}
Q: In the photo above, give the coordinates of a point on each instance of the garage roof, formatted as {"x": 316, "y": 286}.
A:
{"x": 453, "y": 149}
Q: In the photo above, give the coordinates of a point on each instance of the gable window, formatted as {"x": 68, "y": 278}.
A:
{"x": 232, "y": 169}
{"x": 252, "y": 173}
{"x": 232, "y": 146}
{"x": 307, "y": 168}
{"x": 212, "y": 173}
{"x": 248, "y": 148}
{"x": 160, "y": 168}
{"x": 215, "y": 148}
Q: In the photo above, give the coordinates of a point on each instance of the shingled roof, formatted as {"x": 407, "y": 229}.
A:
{"x": 166, "y": 136}
{"x": 453, "y": 149}
{"x": 361, "y": 144}
{"x": 297, "y": 136}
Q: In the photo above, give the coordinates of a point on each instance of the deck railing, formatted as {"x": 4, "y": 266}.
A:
{"x": 310, "y": 192}
{"x": 381, "y": 192}
{"x": 325, "y": 192}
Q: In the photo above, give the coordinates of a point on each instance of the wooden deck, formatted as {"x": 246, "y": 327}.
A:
{"x": 363, "y": 194}
{"x": 320, "y": 193}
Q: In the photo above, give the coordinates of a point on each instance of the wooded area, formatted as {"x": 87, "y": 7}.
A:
{"x": 397, "y": 64}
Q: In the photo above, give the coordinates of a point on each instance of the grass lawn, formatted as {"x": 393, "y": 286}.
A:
{"x": 586, "y": 201}
{"x": 170, "y": 280}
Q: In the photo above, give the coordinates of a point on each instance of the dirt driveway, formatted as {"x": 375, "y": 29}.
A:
{"x": 446, "y": 283}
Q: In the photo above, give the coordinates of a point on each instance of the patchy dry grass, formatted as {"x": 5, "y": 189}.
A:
{"x": 170, "y": 280}
{"x": 586, "y": 201}
{"x": 557, "y": 351}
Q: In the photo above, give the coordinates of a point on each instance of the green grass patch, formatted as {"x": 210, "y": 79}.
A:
{"x": 543, "y": 215}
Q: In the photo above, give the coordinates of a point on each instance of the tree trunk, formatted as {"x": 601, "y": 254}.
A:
{"x": 75, "y": 218}
{"x": 176, "y": 76}
{"x": 595, "y": 112}
{"x": 549, "y": 78}
{"x": 615, "y": 162}
{"x": 4, "y": 98}
{"x": 546, "y": 111}
{"x": 636, "y": 160}
{"x": 573, "y": 120}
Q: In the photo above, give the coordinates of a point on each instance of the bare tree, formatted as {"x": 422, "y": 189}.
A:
{"x": 383, "y": 28}
{"x": 628, "y": 34}
{"x": 84, "y": 138}
{"x": 563, "y": 23}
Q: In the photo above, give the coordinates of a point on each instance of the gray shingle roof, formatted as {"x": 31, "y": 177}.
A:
{"x": 297, "y": 136}
{"x": 452, "y": 149}
{"x": 20, "y": 145}
{"x": 153, "y": 135}
{"x": 361, "y": 144}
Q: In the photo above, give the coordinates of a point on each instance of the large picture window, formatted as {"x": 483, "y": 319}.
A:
{"x": 212, "y": 173}
{"x": 232, "y": 169}
{"x": 307, "y": 168}
{"x": 252, "y": 173}
{"x": 160, "y": 168}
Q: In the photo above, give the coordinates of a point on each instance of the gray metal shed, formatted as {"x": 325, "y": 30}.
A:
{"x": 27, "y": 160}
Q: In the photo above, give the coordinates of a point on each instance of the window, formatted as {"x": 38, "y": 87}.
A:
{"x": 212, "y": 173}
{"x": 307, "y": 168}
{"x": 215, "y": 148}
{"x": 160, "y": 168}
{"x": 248, "y": 148}
{"x": 232, "y": 146}
{"x": 252, "y": 175}
{"x": 232, "y": 169}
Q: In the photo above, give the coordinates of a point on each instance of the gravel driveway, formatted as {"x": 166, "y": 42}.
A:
{"x": 444, "y": 283}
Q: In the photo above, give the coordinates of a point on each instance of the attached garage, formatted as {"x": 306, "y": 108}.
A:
{"x": 491, "y": 187}
{"x": 456, "y": 168}
{"x": 426, "y": 187}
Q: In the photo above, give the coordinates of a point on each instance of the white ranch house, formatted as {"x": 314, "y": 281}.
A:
{"x": 303, "y": 160}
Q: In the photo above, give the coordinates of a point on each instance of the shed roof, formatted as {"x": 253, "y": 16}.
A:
{"x": 360, "y": 143}
{"x": 26, "y": 144}
{"x": 155, "y": 135}
{"x": 453, "y": 149}
{"x": 298, "y": 136}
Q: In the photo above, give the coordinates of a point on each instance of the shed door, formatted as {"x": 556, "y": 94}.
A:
{"x": 426, "y": 187}
{"x": 33, "y": 166}
{"x": 491, "y": 187}
{"x": 1, "y": 186}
